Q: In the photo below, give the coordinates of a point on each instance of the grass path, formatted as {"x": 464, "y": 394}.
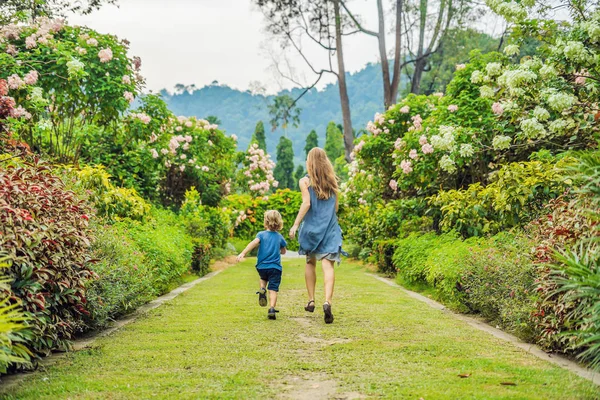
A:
{"x": 214, "y": 341}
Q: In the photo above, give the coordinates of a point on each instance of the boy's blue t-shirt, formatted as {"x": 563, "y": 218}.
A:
{"x": 269, "y": 255}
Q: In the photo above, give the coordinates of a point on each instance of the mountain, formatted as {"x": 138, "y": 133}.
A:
{"x": 240, "y": 111}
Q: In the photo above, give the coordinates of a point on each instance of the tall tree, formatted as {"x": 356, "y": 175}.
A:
{"x": 259, "y": 136}
{"x": 214, "y": 120}
{"x": 284, "y": 170}
{"x": 283, "y": 111}
{"x": 423, "y": 24}
{"x": 321, "y": 22}
{"x": 312, "y": 141}
{"x": 299, "y": 174}
{"x": 334, "y": 142}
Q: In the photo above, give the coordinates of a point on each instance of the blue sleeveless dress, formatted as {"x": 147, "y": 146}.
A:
{"x": 320, "y": 235}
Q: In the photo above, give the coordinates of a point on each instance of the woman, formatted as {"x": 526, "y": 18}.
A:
{"x": 320, "y": 235}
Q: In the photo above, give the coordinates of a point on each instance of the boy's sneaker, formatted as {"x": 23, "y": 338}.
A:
{"x": 262, "y": 297}
{"x": 272, "y": 313}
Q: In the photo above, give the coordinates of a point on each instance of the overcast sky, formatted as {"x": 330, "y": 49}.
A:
{"x": 199, "y": 41}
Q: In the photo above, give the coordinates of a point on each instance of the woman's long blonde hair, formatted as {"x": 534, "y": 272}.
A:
{"x": 322, "y": 176}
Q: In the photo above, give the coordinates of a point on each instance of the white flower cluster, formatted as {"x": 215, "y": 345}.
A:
{"x": 532, "y": 128}
{"x": 593, "y": 30}
{"x": 501, "y": 142}
{"x": 447, "y": 164}
{"x": 516, "y": 79}
{"x": 512, "y": 50}
{"x": 560, "y": 101}
{"x": 511, "y": 10}
{"x": 466, "y": 150}
{"x": 487, "y": 92}
{"x": 541, "y": 114}
{"x": 494, "y": 69}
{"x": 445, "y": 139}
{"x": 576, "y": 51}
{"x": 73, "y": 67}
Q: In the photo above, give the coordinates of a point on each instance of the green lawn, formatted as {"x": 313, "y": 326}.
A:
{"x": 214, "y": 341}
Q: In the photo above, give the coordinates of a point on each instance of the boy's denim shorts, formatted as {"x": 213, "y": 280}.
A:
{"x": 271, "y": 275}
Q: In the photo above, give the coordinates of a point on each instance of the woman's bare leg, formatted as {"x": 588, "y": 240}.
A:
{"x": 329, "y": 278}
{"x": 310, "y": 275}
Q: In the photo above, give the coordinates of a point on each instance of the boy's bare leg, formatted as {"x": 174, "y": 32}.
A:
{"x": 263, "y": 284}
{"x": 273, "y": 298}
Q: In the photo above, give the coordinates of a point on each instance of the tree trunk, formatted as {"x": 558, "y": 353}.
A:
{"x": 397, "y": 54}
{"x": 385, "y": 67}
{"x": 344, "y": 100}
{"x": 420, "y": 63}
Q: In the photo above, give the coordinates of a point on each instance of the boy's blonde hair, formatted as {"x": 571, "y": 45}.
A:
{"x": 273, "y": 221}
{"x": 321, "y": 173}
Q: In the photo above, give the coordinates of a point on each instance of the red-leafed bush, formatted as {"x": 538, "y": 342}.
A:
{"x": 45, "y": 238}
{"x": 564, "y": 225}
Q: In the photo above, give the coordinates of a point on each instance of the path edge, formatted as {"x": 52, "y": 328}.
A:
{"x": 530, "y": 348}
{"x": 10, "y": 381}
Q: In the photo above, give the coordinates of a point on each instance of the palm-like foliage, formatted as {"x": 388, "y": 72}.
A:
{"x": 578, "y": 273}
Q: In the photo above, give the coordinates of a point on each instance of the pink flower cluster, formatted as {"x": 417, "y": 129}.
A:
{"x": 144, "y": 118}
{"x": 105, "y": 55}
{"x": 417, "y": 123}
{"x": 497, "y": 108}
{"x": 580, "y": 78}
{"x": 15, "y": 82}
{"x": 259, "y": 170}
{"x": 426, "y": 148}
{"x": 20, "y": 112}
{"x": 452, "y": 108}
{"x": 31, "y": 78}
{"x": 406, "y": 166}
{"x": 129, "y": 97}
{"x": 394, "y": 185}
{"x": 405, "y": 110}
{"x": 126, "y": 80}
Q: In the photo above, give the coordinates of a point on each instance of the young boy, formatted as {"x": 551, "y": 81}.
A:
{"x": 268, "y": 264}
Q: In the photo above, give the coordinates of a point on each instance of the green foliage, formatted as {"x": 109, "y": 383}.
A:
{"x": 110, "y": 202}
{"x": 312, "y": 141}
{"x": 283, "y": 111}
{"x": 284, "y": 170}
{"x": 492, "y": 277}
{"x": 259, "y": 136}
{"x": 247, "y": 212}
{"x": 515, "y": 196}
{"x": 45, "y": 239}
{"x": 125, "y": 277}
{"x": 203, "y": 221}
{"x": 299, "y": 174}
{"x": 334, "y": 142}
{"x": 12, "y": 321}
{"x": 166, "y": 245}
{"x": 576, "y": 276}
{"x": 384, "y": 251}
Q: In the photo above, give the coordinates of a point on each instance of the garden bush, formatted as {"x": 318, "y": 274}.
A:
{"x": 13, "y": 351}
{"x": 515, "y": 196}
{"x": 384, "y": 252}
{"x": 492, "y": 277}
{"x": 46, "y": 240}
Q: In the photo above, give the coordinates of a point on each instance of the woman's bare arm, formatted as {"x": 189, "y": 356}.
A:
{"x": 303, "y": 208}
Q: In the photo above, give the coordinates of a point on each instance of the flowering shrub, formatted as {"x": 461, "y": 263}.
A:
{"x": 63, "y": 79}
{"x": 45, "y": 237}
{"x": 256, "y": 176}
{"x": 515, "y": 196}
{"x": 247, "y": 212}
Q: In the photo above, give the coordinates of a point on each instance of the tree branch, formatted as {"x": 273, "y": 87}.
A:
{"x": 356, "y": 23}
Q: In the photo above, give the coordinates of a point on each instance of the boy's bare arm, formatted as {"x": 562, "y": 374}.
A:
{"x": 251, "y": 246}
{"x": 283, "y": 250}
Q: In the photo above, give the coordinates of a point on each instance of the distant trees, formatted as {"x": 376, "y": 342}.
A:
{"x": 259, "y": 136}
{"x": 284, "y": 170}
{"x": 312, "y": 141}
{"x": 334, "y": 142}
{"x": 320, "y": 22}
{"x": 283, "y": 111}
{"x": 11, "y": 10}
{"x": 214, "y": 120}
{"x": 299, "y": 174}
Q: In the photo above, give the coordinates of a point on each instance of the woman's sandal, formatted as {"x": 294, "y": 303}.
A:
{"x": 309, "y": 307}
{"x": 328, "y": 314}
